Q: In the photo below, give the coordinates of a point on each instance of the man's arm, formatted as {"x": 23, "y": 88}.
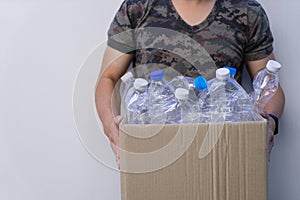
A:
{"x": 114, "y": 65}
{"x": 276, "y": 104}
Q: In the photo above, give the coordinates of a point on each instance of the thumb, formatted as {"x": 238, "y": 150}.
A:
{"x": 118, "y": 119}
{"x": 263, "y": 113}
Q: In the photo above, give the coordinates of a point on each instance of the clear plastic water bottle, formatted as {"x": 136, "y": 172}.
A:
{"x": 202, "y": 95}
{"x": 244, "y": 107}
{"x": 201, "y": 90}
{"x": 191, "y": 87}
{"x": 189, "y": 81}
{"x": 225, "y": 93}
{"x": 127, "y": 81}
{"x": 184, "y": 82}
{"x": 137, "y": 103}
{"x": 162, "y": 102}
{"x": 265, "y": 83}
{"x": 185, "y": 108}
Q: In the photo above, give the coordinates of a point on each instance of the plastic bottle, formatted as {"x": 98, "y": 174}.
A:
{"x": 202, "y": 94}
{"x": 265, "y": 83}
{"x": 137, "y": 103}
{"x": 184, "y": 82}
{"x": 162, "y": 102}
{"x": 225, "y": 93}
{"x": 201, "y": 90}
{"x": 185, "y": 109}
{"x": 189, "y": 81}
{"x": 244, "y": 107}
{"x": 191, "y": 87}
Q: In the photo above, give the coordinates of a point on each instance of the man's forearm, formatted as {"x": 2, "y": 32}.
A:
{"x": 103, "y": 98}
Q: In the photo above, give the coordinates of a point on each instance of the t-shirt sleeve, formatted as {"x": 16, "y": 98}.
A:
{"x": 120, "y": 33}
{"x": 260, "y": 39}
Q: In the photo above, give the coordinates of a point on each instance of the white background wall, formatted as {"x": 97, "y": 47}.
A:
{"x": 284, "y": 176}
{"x": 42, "y": 46}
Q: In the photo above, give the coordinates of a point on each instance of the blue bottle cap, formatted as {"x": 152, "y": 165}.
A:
{"x": 200, "y": 83}
{"x": 232, "y": 70}
{"x": 157, "y": 75}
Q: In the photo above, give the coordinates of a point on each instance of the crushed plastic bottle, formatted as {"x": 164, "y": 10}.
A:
{"x": 186, "y": 83}
{"x": 244, "y": 106}
{"x": 162, "y": 102}
{"x": 185, "y": 109}
{"x": 137, "y": 103}
{"x": 224, "y": 95}
{"x": 265, "y": 83}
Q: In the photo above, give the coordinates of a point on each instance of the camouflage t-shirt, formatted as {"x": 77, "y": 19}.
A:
{"x": 235, "y": 31}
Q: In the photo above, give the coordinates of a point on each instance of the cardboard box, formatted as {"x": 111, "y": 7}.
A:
{"x": 194, "y": 161}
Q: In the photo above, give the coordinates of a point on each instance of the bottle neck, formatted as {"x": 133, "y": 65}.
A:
{"x": 157, "y": 81}
{"x": 202, "y": 90}
{"x": 223, "y": 80}
{"x": 270, "y": 72}
{"x": 182, "y": 101}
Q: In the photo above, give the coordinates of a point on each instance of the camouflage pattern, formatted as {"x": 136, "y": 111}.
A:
{"x": 234, "y": 32}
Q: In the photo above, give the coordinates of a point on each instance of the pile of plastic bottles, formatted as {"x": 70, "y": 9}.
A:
{"x": 188, "y": 100}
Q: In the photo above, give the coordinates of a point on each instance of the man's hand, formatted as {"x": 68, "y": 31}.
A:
{"x": 275, "y": 104}
{"x": 271, "y": 128}
{"x": 270, "y": 131}
{"x": 114, "y": 65}
{"x": 113, "y": 135}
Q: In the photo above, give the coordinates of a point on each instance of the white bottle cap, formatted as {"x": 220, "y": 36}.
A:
{"x": 181, "y": 93}
{"x": 126, "y": 77}
{"x": 273, "y": 66}
{"x": 223, "y": 74}
{"x": 140, "y": 84}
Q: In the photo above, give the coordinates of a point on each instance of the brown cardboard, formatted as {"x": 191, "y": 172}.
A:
{"x": 194, "y": 161}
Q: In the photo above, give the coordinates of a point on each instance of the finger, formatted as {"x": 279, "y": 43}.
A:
{"x": 118, "y": 119}
{"x": 116, "y": 150}
{"x": 270, "y": 150}
{"x": 118, "y": 157}
{"x": 114, "y": 138}
{"x": 113, "y": 148}
{"x": 118, "y": 163}
{"x": 117, "y": 153}
{"x": 271, "y": 143}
